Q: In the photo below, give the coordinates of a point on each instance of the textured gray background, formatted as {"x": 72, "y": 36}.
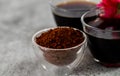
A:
{"x": 19, "y": 20}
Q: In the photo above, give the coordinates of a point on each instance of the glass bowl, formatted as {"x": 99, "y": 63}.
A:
{"x": 64, "y": 60}
{"x": 103, "y": 37}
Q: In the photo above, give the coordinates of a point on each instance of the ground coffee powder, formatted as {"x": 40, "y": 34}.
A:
{"x": 60, "y": 38}
{"x": 57, "y": 39}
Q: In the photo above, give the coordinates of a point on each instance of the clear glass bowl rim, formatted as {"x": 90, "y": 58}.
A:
{"x": 55, "y": 7}
{"x": 46, "y": 48}
{"x": 95, "y": 28}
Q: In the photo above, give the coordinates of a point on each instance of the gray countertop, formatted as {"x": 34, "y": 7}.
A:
{"x": 19, "y": 20}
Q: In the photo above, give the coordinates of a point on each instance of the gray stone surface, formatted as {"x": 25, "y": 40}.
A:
{"x": 19, "y": 20}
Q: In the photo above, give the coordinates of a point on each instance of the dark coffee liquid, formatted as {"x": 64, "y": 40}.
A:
{"x": 107, "y": 50}
{"x": 68, "y": 14}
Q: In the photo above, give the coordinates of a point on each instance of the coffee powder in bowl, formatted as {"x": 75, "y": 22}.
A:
{"x": 60, "y": 45}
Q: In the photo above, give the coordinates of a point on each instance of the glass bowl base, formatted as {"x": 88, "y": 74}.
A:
{"x": 107, "y": 64}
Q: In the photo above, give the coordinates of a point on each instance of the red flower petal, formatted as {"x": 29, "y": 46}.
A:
{"x": 110, "y": 8}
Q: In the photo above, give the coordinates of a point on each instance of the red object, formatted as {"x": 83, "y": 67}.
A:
{"x": 111, "y": 8}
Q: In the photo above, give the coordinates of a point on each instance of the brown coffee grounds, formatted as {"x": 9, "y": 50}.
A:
{"x": 60, "y": 38}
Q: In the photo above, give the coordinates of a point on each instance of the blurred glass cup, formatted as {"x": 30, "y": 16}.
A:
{"x": 103, "y": 37}
{"x": 59, "y": 62}
{"x": 69, "y": 12}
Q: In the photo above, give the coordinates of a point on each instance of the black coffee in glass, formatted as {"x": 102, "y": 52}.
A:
{"x": 103, "y": 38}
{"x": 69, "y": 13}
